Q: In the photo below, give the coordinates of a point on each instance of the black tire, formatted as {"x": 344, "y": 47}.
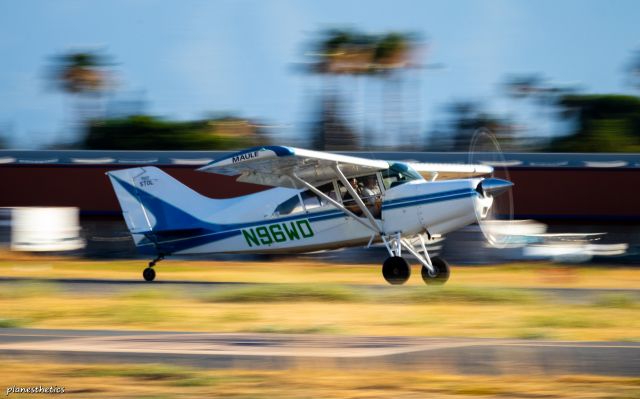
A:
{"x": 149, "y": 274}
{"x": 396, "y": 270}
{"x": 442, "y": 272}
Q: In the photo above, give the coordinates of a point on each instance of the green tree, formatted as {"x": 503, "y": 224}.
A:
{"x": 144, "y": 132}
{"x": 603, "y": 123}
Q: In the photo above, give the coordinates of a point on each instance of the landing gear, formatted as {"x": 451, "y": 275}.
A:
{"x": 396, "y": 270}
{"x": 441, "y": 274}
{"x": 149, "y": 274}
{"x": 156, "y": 260}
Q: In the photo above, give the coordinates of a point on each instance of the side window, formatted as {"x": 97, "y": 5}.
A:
{"x": 289, "y": 206}
{"x": 357, "y": 186}
{"x": 370, "y": 189}
{"x": 309, "y": 198}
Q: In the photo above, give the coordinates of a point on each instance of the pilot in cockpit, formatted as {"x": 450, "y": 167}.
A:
{"x": 371, "y": 194}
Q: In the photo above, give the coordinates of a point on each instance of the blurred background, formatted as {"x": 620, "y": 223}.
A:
{"x": 413, "y": 75}
{"x": 91, "y": 86}
{"x": 85, "y": 83}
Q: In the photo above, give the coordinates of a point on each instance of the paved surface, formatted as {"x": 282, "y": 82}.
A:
{"x": 87, "y": 285}
{"x": 280, "y": 351}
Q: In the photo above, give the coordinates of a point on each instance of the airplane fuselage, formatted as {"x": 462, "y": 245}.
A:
{"x": 249, "y": 225}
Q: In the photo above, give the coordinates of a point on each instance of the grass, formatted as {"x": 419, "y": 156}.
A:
{"x": 570, "y": 320}
{"x": 617, "y": 301}
{"x": 336, "y": 293}
{"x": 325, "y": 299}
{"x": 307, "y": 271}
{"x": 462, "y": 294}
{"x": 154, "y": 381}
{"x": 171, "y": 375}
{"x": 285, "y": 293}
{"x": 329, "y": 309}
{"x": 28, "y": 289}
{"x": 10, "y": 323}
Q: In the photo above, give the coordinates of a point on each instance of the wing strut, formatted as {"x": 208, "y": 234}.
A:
{"x": 357, "y": 198}
{"x": 334, "y": 203}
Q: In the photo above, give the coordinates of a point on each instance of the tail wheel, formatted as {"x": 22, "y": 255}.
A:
{"x": 442, "y": 272}
{"x": 396, "y": 270}
{"x": 149, "y": 274}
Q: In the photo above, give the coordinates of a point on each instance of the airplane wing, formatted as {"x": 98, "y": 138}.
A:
{"x": 275, "y": 166}
{"x": 446, "y": 171}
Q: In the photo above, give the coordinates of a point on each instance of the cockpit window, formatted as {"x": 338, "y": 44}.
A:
{"x": 399, "y": 173}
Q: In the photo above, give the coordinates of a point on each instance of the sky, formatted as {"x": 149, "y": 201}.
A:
{"x": 191, "y": 58}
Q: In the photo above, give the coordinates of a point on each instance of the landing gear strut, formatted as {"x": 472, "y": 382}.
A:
{"x": 149, "y": 274}
{"x": 396, "y": 270}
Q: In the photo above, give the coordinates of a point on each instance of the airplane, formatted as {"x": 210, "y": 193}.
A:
{"x": 318, "y": 201}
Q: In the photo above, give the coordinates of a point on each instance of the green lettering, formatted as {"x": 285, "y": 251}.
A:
{"x": 307, "y": 226}
{"x": 291, "y": 233}
{"x": 276, "y": 232}
{"x": 263, "y": 233}
{"x": 250, "y": 236}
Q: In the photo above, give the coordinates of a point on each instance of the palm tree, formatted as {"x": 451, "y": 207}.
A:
{"x": 83, "y": 76}
{"x": 340, "y": 53}
{"x": 392, "y": 55}
{"x": 81, "y": 72}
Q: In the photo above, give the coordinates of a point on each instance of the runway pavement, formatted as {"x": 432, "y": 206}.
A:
{"x": 283, "y": 351}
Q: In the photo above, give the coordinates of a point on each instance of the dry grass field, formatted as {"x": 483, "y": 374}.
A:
{"x": 310, "y": 298}
{"x": 323, "y": 298}
{"x": 163, "y": 381}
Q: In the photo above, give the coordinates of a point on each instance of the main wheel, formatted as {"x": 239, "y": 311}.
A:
{"x": 396, "y": 270}
{"x": 442, "y": 272}
{"x": 149, "y": 274}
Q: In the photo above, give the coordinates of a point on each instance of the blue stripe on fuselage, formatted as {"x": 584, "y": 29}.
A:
{"x": 428, "y": 198}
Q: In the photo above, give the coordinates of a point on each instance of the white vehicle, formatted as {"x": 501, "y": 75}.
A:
{"x": 319, "y": 201}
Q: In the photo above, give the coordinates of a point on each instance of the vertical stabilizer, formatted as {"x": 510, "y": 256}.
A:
{"x": 153, "y": 201}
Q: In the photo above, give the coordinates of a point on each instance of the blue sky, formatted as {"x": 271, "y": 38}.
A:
{"x": 191, "y": 58}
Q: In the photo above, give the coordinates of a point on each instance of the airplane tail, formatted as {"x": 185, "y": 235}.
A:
{"x": 154, "y": 202}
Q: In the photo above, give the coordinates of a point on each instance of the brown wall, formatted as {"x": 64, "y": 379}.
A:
{"x": 88, "y": 188}
{"x": 542, "y": 193}
{"x": 587, "y": 193}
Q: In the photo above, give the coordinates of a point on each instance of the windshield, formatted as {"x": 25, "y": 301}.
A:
{"x": 399, "y": 173}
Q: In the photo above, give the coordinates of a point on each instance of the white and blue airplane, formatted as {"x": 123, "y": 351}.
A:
{"x": 318, "y": 201}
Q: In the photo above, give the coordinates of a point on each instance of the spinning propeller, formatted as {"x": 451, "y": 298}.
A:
{"x": 495, "y": 210}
